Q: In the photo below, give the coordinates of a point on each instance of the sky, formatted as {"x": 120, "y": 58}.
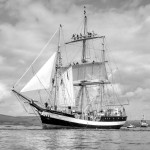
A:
{"x": 26, "y": 25}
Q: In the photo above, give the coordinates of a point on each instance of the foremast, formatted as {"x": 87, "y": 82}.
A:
{"x": 57, "y": 75}
{"x": 56, "y": 79}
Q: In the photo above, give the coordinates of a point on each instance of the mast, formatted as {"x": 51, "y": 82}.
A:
{"x": 57, "y": 70}
{"x": 84, "y": 58}
{"x": 84, "y": 40}
{"x": 102, "y": 85}
{"x": 83, "y": 83}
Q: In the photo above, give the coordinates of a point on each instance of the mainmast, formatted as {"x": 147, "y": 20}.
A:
{"x": 83, "y": 87}
{"x": 83, "y": 83}
{"x": 84, "y": 40}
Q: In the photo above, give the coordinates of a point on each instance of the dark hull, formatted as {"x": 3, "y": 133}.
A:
{"x": 60, "y": 122}
{"x": 144, "y": 126}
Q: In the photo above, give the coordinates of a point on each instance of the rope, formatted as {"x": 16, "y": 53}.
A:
{"x": 36, "y": 114}
{"x": 18, "y": 98}
{"x": 65, "y": 46}
{"x": 36, "y": 57}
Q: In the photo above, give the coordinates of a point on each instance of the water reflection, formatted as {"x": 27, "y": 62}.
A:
{"x": 82, "y": 139}
{"x": 74, "y": 139}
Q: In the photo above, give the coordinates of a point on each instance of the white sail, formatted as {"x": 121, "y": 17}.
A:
{"x": 89, "y": 71}
{"x": 41, "y": 80}
{"x": 103, "y": 72}
{"x": 66, "y": 91}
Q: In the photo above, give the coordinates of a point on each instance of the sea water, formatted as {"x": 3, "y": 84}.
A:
{"x": 35, "y": 138}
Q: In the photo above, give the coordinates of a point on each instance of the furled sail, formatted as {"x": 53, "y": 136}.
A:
{"x": 41, "y": 80}
{"x": 66, "y": 91}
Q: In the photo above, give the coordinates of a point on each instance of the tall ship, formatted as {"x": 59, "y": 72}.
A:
{"x": 74, "y": 92}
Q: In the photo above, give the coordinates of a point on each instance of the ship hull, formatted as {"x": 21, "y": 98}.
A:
{"x": 58, "y": 121}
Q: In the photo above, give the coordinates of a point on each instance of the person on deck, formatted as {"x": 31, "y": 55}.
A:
{"x": 73, "y": 36}
{"x": 46, "y": 105}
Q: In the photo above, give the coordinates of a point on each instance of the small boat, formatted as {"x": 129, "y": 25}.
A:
{"x": 76, "y": 93}
{"x": 131, "y": 126}
{"x": 143, "y": 122}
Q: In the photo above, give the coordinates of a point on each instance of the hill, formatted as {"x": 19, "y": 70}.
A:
{"x": 20, "y": 120}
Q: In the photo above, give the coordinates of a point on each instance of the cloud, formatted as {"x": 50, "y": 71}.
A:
{"x": 139, "y": 103}
{"x": 1, "y": 60}
{"x": 26, "y": 25}
{"x": 5, "y": 93}
{"x": 140, "y": 93}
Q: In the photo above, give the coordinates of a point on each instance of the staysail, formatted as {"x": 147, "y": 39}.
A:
{"x": 41, "y": 80}
{"x": 66, "y": 91}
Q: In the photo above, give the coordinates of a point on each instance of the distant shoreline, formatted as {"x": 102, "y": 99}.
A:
{"x": 28, "y": 121}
